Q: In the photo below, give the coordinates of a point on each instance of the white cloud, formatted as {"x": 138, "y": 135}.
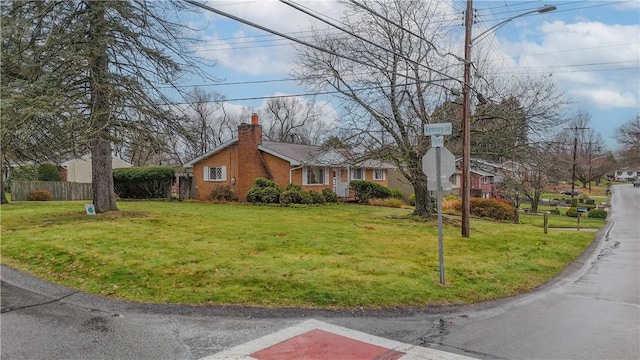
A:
{"x": 258, "y": 52}
{"x": 593, "y": 62}
{"x": 604, "y": 98}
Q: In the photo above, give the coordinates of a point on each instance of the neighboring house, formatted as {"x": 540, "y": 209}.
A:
{"x": 238, "y": 162}
{"x": 79, "y": 170}
{"x": 627, "y": 174}
{"x": 485, "y": 178}
{"x": 397, "y": 181}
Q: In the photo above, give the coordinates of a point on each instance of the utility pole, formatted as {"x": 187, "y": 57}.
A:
{"x": 466, "y": 123}
{"x": 575, "y": 148}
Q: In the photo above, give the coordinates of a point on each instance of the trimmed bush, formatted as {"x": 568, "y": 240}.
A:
{"x": 590, "y": 202}
{"x": 40, "y": 195}
{"x": 316, "y": 197}
{"x": 49, "y": 172}
{"x": 144, "y": 182}
{"x": 365, "y": 190}
{"x": 264, "y": 191}
{"x": 572, "y": 212}
{"x": 222, "y": 193}
{"x": 597, "y": 214}
{"x": 397, "y": 194}
{"x": 487, "y": 208}
{"x": 329, "y": 196}
{"x": 295, "y": 197}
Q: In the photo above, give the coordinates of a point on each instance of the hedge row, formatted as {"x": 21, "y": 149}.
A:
{"x": 146, "y": 182}
{"x": 365, "y": 190}
{"x": 266, "y": 191}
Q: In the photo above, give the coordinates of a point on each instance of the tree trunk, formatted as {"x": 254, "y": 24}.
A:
{"x": 101, "y": 164}
{"x": 516, "y": 215}
{"x": 3, "y": 196}
{"x": 423, "y": 201}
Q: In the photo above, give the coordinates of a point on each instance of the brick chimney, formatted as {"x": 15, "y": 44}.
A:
{"x": 249, "y": 162}
{"x": 250, "y": 135}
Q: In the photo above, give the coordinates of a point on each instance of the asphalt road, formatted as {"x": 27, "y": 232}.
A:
{"x": 590, "y": 311}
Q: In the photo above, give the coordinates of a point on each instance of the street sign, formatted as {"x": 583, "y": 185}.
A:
{"x": 437, "y": 129}
{"x": 437, "y": 141}
{"x": 447, "y": 163}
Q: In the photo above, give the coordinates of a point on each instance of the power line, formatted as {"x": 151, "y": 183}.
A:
{"x": 263, "y": 28}
{"x": 297, "y": 7}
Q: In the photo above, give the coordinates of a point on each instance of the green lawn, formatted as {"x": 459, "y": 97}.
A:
{"x": 312, "y": 256}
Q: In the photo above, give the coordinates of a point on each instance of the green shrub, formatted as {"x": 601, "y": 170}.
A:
{"x": 316, "y": 197}
{"x": 144, "y": 182}
{"x": 365, "y": 190}
{"x": 295, "y": 197}
{"x": 264, "y": 191}
{"x": 488, "y": 208}
{"x": 574, "y": 202}
{"x": 294, "y": 187}
{"x": 597, "y": 214}
{"x": 223, "y": 193}
{"x": 397, "y": 194}
{"x": 590, "y": 202}
{"x": 40, "y": 195}
{"x": 572, "y": 212}
{"x": 412, "y": 199}
{"x": 49, "y": 172}
{"x": 329, "y": 196}
{"x": 24, "y": 172}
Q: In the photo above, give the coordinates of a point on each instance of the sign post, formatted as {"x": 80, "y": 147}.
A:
{"x": 436, "y": 131}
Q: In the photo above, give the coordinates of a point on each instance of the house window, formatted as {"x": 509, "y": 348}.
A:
{"x": 629, "y": 172}
{"x": 619, "y": 172}
{"x": 215, "y": 173}
{"x": 357, "y": 174}
{"x": 378, "y": 174}
{"x": 315, "y": 176}
{"x": 485, "y": 179}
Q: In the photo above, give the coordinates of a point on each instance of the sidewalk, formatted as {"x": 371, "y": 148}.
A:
{"x": 316, "y": 340}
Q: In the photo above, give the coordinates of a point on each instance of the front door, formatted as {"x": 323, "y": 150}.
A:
{"x": 341, "y": 182}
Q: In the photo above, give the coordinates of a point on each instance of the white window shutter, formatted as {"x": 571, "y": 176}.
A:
{"x": 326, "y": 176}
{"x": 304, "y": 175}
{"x": 206, "y": 173}
{"x": 224, "y": 173}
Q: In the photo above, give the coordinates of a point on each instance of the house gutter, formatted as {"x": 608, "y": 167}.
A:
{"x": 291, "y": 172}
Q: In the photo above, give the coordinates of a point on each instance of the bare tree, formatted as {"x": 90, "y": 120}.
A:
{"x": 527, "y": 179}
{"x": 390, "y": 92}
{"x": 97, "y": 68}
{"x": 290, "y": 119}
{"x": 628, "y": 137}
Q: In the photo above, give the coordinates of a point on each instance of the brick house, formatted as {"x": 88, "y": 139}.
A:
{"x": 238, "y": 162}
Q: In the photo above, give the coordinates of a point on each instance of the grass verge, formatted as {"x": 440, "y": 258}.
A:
{"x": 313, "y": 256}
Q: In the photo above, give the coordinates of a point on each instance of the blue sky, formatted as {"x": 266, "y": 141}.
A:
{"x": 591, "y": 49}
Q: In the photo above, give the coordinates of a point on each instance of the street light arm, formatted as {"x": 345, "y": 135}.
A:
{"x": 541, "y": 10}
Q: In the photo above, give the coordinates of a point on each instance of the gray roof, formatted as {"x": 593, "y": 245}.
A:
{"x": 298, "y": 155}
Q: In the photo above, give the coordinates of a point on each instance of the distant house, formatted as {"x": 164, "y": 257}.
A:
{"x": 397, "y": 181}
{"x": 486, "y": 178}
{"x": 627, "y": 174}
{"x": 79, "y": 169}
{"x": 238, "y": 162}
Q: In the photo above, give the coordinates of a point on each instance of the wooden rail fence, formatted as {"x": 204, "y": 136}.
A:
{"x": 60, "y": 190}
